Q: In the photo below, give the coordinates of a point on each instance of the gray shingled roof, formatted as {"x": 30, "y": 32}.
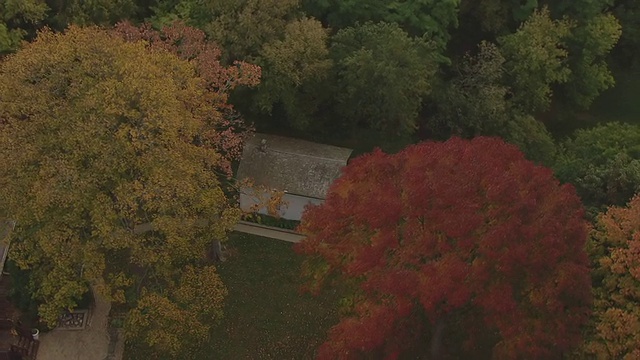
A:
{"x": 297, "y": 166}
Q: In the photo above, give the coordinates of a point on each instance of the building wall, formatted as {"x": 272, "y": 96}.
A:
{"x": 292, "y": 208}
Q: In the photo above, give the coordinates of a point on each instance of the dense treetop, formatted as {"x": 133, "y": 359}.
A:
{"x": 465, "y": 236}
{"x": 122, "y": 119}
{"x": 110, "y": 176}
{"x": 550, "y": 58}
{"x": 603, "y": 163}
{"x": 615, "y": 251}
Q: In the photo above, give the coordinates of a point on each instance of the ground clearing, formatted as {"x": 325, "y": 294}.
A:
{"x": 266, "y": 317}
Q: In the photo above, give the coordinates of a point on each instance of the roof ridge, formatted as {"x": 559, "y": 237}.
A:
{"x": 305, "y": 155}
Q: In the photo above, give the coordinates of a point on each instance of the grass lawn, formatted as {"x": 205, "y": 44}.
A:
{"x": 266, "y": 316}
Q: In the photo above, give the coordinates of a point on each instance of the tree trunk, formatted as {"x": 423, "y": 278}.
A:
{"x": 218, "y": 255}
{"x": 436, "y": 341}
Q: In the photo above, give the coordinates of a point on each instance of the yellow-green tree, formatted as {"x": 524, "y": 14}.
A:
{"x": 240, "y": 27}
{"x": 170, "y": 322}
{"x": 615, "y": 249}
{"x": 106, "y": 175}
{"x": 295, "y": 69}
{"x": 536, "y": 60}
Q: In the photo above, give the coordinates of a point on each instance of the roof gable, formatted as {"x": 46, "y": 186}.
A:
{"x": 297, "y": 166}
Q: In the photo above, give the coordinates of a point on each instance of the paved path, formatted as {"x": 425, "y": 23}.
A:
{"x": 268, "y": 231}
{"x": 245, "y": 227}
{"x": 91, "y": 343}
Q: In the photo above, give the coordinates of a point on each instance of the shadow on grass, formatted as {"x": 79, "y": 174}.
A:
{"x": 266, "y": 316}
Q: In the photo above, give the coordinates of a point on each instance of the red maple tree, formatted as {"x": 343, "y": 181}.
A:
{"x": 226, "y": 133}
{"x": 457, "y": 248}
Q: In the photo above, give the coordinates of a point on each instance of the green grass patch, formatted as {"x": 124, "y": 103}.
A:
{"x": 266, "y": 316}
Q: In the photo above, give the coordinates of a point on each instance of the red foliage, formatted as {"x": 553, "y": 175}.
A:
{"x": 227, "y": 133}
{"x": 462, "y": 229}
{"x": 190, "y": 43}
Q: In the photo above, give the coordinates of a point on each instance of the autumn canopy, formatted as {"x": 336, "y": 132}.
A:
{"x": 111, "y": 152}
{"x": 461, "y": 247}
{"x": 615, "y": 250}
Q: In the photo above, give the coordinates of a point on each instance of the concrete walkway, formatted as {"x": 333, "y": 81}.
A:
{"x": 268, "y": 231}
{"x": 91, "y": 343}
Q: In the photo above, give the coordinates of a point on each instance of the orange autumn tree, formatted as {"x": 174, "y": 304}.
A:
{"x": 227, "y": 133}
{"x": 462, "y": 248}
{"x": 615, "y": 247}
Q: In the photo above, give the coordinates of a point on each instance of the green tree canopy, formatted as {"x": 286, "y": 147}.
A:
{"x": 93, "y": 12}
{"x": 16, "y": 16}
{"x": 494, "y": 16}
{"x": 239, "y": 27}
{"x": 627, "y": 52}
{"x": 532, "y": 137}
{"x": 475, "y": 101}
{"x": 589, "y": 45}
{"x": 560, "y": 43}
{"x": 291, "y": 49}
{"x": 536, "y": 59}
{"x": 295, "y": 72}
{"x": 382, "y": 75}
{"x": 603, "y": 163}
{"x": 103, "y": 170}
{"x": 20, "y": 19}
{"x": 432, "y": 18}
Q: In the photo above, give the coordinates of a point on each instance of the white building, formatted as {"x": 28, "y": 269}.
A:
{"x": 303, "y": 169}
